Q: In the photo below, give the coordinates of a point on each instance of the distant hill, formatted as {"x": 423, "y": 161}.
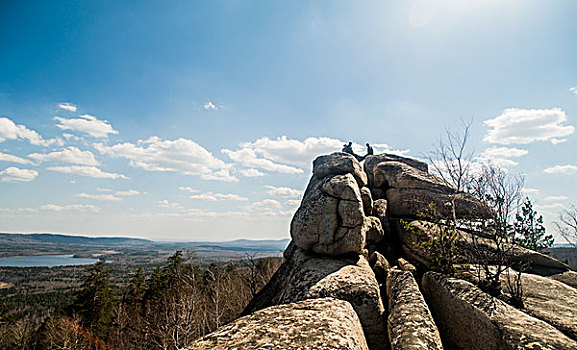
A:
{"x": 23, "y": 238}
{"x": 246, "y": 245}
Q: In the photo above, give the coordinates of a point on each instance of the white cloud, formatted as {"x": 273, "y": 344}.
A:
{"x": 99, "y": 189}
{"x": 166, "y": 204}
{"x": 71, "y": 137}
{"x": 573, "y": 90}
{"x": 523, "y": 126}
{"x": 562, "y": 169}
{"x": 501, "y": 156}
{"x": 181, "y": 155}
{"x": 283, "y": 192}
{"x": 11, "y": 131}
{"x": 290, "y": 156}
{"x": 69, "y": 155}
{"x": 210, "y": 106}
{"x": 267, "y": 203}
{"x": 188, "y": 189}
{"x": 74, "y": 207}
{"x": 87, "y": 124}
{"x": 249, "y": 158}
{"x": 13, "y": 174}
{"x": 128, "y": 193}
{"x": 548, "y": 206}
{"x": 252, "y": 172}
{"x": 14, "y": 159}
{"x": 557, "y": 198}
{"x": 209, "y": 196}
{"x": 89, "y": 171}
{"x": 293, "y": 152}
{"x": 529, "y": 190}
{"x": 100, "y": 197}
{"x": 293, "y": 202}
{"x": 67, "y": 106}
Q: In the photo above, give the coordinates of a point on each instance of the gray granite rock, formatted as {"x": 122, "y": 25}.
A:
{"x": 307, "y": 276}
{"x": 372, "y": 161}
{"x": 549, "y": 300}
{"x": 469, "y": 319}
{"x": 313, "y": 324}
{"x": 339, "y": 164}
{"x": 410, "y": 323}
{"x": 401, "y": 175}
{"x": 409, "y": 202}
{"x": 467, "y": 244}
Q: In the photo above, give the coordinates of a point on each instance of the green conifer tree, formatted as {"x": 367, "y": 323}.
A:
{"x": 529, "y": 230}
{"x": 95, "y": 301}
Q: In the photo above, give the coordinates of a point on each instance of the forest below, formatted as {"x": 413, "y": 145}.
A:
{"x": 155, "y": 305}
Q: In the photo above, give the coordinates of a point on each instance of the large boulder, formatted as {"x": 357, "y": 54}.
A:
{"x": 339, "y": 164}
{"x": 409, "y": 202}
{"x": 547, "y": 299}
{"x": 410, "y": 323}
{"x": 332, "y": 217}
{"x": 469, "y": 319}
{"x": 306, "y": 275}
{"x": 310, "y": 324}
{"x": 567, "y": 277}
{"x": 401, "y": 175}
{"x": 372, "y": 161}
{"x": 471, "y": 248}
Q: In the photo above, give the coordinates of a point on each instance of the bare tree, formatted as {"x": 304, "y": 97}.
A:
{"x": 567, "y": 225}
{"x": 450, "y": 158}
{"x": 491, "y": 252}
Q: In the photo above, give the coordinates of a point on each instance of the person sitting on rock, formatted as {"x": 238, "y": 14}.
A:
{"x": 349, "y": 149}
{"x": 369, "y": 150}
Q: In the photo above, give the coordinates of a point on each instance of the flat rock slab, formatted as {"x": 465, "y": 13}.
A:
{"x": 372, "y": 161}
{"x": 567, "y": 277}
{"x": 467, "y": 245}
{"x": 401, "y": 175}
{"x": 470, "y": 319}
{"x": 308, "y": 276}
{"x": 409, "y": 202}
{"x": 549, "y": 300}
{"x": 325, "y": 323}
{"x": 410, "y": 323}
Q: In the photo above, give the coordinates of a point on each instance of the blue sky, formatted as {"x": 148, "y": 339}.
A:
{"x": 198, "y": 120}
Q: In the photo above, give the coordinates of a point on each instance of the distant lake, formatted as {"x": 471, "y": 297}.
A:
{"x": 45, "y": 261}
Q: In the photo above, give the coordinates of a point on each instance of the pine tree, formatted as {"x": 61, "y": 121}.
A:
{"x": 529, "y": 229}
{"x": 95, "y": 301}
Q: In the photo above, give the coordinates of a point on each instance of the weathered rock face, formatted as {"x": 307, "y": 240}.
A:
{"x": 408, "y": 202}
{"x": 549, "y": 300}
{"x": 470, "y": 319}
{"x": 307, "y": 276}
{"x": 372, "y": 161}
{"x": 467, "y": 244}
{"x": 401, "y": 175}
{"x": 310, "y": 324}
{"x": 380, "y": 266}
{"x": 332, "y": 218}
{"x": 339, "y": 164}
{"x": 567, "y": 277}
{"x": 410, "y": 323}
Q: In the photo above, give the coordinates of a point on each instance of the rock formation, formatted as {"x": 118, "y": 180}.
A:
{"x": 337, "y": 288}
{"x": 313, "y": 324}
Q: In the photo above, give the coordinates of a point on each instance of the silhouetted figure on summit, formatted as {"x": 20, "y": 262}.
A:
{"x": 348, "y": 148}
{"x": 369, "y": 150}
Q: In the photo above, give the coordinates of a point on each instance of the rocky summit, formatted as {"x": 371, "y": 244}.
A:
{"x": 356, "y": 277}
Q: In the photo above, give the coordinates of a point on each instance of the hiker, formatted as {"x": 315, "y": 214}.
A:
{"x": 349, "y": 148}
{"x": 369, "y": 150}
